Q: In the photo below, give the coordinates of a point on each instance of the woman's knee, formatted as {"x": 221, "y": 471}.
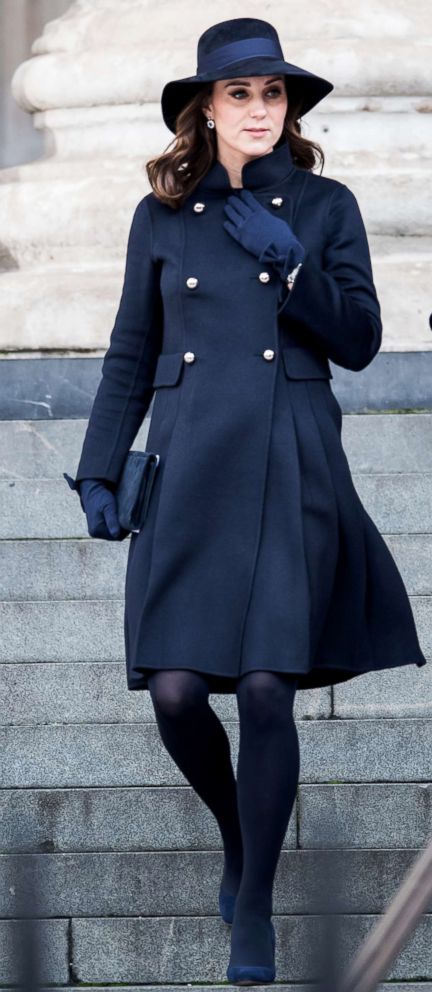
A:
{"x": 177, "y": 692}
{"x": 265, "y": 696}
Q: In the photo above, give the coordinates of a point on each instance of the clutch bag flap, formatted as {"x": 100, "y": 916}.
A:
{"x": 134, "y": 488}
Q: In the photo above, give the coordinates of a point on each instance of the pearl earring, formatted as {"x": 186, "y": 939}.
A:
{"x": 210, "y": 122}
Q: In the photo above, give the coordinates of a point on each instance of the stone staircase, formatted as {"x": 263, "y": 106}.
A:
{"x": 126, "y": 858}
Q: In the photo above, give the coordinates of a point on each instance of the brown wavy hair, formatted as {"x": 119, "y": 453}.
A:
{"x": 174, "y": 175}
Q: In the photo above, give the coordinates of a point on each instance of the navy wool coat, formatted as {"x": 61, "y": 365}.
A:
{"x": 256, "y": 552}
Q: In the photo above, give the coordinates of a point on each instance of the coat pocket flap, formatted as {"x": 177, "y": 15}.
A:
{"x": 304, "y": 364}
{"x": 168, "y": 368}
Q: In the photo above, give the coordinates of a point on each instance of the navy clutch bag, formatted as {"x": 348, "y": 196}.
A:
{"x": 133, "y": 489}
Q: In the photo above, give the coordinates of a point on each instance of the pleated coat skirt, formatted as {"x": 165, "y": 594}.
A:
{"x": 256, "y": 552}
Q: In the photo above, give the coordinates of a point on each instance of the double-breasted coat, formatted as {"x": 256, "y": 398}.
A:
{"x": 256, "y": 552}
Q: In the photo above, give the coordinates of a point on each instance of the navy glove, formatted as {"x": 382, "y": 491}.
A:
{"x": 256, "y": 229}
{"x": 100, "y": 508}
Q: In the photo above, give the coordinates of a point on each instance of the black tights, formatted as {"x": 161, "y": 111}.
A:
{"x": 252, "y": 813}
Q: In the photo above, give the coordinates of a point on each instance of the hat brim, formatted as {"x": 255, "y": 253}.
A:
{"x": 304, "y": 88}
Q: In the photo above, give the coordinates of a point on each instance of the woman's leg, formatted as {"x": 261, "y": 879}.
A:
{"x": 267, "y": 777}
{"x": 197, "y": 741}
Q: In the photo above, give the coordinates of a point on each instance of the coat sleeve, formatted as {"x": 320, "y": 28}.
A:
{"x": 125, "y": 390}
{"x": 337, "y": 302}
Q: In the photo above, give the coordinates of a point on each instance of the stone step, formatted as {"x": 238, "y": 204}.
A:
{"x": 375, "y": 815}
{"x": 208, "y": 987}
{"x": 53, "y": 939}
{"x": 371, "y": 128}
{"x": 379, "y": 815}
{"x": 149, "y": 950}
{"x": 84, "y": 819}
{"x": 31, "y": 298}
{"x": 399, "y": 503}
{"x": 92, "y": 630}
{"x": 405, "y": 691}
{"x": 63, "y": 385}
{"x": 376, "y": 442}
{"x": 96, "y": 692}
{"x": 388, "y": 442}
{"x": 186, "y": 883}
{"x": 333, "y": 751}
{"x": 80, "y": 568}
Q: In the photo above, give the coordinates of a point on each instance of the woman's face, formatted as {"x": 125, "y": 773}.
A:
{"x": 244, "y": 103}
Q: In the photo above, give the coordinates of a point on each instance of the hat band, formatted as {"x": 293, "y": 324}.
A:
{"x": 237, "y": 50}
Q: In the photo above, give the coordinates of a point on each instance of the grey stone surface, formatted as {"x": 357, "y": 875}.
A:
{"x": 386, "y": 384}
{"x": 405, "y": 442}
{"x": 109, "y": 754}
{"x": 92, "y": 630}
{"x": 52, "y": 943}
{"x": 46, "y": 448}
{"x": 184, "y": 883}
{"x": 208, "y": 987}
{"x": 44, "y": 388}
{"x": 65, "y": 386}
{"x": 37, "y": 693}
{"x": 413, "y": 556}
{"x": 405, "y": 691}
{"x": 63, "y": 569}
{"x": 39, "y": 449}
{"x": 398, "y": 503}
{"x": 153, "y": 950}
{"x": 110, "y": 819}
{"x": 80, "y": 568}
{"x": 366, "y": 750}
{"x": 42, "y": 508}
{"x": 377, "y": 815}
{"x": 71, "y": 630}
{"x": 421, "y": 607}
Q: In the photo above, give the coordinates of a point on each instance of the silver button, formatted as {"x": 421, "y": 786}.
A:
{"x": 268, "y": 354}
{"x": 263, "y": 277}
{"x": 192, "y": 282}
{"x": 189, "y": 356}
{"x": 277, "y": 201}
{"x": 199, "y": 207}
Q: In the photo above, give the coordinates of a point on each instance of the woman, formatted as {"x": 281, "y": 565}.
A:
{"x": 258, "y": 570}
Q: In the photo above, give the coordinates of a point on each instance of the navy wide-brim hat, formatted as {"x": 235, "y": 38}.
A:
{"x": 243, "y": 46}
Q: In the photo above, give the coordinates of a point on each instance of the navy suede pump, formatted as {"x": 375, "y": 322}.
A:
{"x": 226, "y": 905}
{"x": 253, "y": 974}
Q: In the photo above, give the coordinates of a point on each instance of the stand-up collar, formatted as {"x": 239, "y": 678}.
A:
{"x": 265, "y": 170}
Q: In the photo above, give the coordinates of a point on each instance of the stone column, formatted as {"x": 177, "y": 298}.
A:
{"x": 93, "y": 85}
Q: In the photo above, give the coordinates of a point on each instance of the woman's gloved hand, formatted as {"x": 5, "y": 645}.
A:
{"x": 258, "y": 231}
{"x": 100, "y": 508}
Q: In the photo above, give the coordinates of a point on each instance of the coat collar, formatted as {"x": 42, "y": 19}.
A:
{"x": 259, "y": 173}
